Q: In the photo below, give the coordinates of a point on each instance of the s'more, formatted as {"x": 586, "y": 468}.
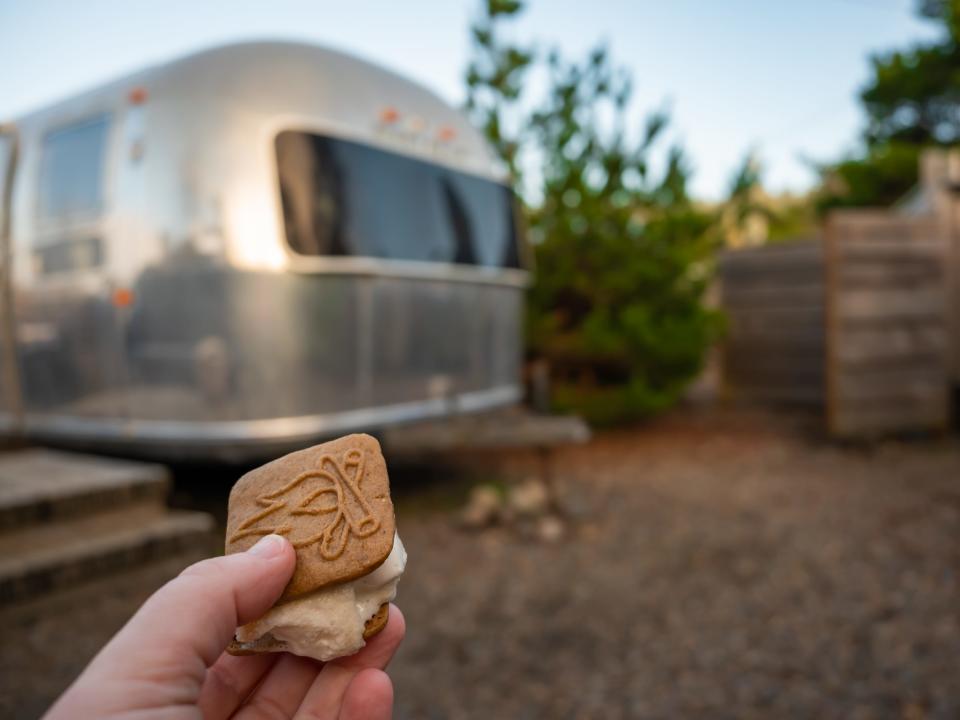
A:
{"x": 332, "y": 502}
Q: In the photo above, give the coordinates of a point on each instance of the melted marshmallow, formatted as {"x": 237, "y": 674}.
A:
{"x": 328, "y": 623}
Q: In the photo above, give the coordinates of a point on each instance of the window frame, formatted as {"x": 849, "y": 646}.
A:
{"x": 89, "y": 228}
{"x": 383, "y": 267}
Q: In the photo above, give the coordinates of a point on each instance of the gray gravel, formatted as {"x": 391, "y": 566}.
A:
{"x": 722, "y": 566}
{"x": 48, "y": 641}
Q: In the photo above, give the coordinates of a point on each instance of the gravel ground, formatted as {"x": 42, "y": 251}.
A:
{"x": 48, "y": 641}
{"x": 719, "y": 566}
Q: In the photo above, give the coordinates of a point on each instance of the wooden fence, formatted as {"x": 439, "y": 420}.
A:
{"x": 887, "y": 341}
{"x": 858, "y": 324}
{"x": 773, "y": 297}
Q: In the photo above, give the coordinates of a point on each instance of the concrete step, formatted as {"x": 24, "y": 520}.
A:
{"x": 58, "y": 556}
{"x": 68, "y": 520}
{"x": 40, "y": 487}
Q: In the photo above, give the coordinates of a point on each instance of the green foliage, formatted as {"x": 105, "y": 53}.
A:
{"x": 622, "y": 256}
{"x": 881, "y": 178}
{"x": 495, "y": 78}
{"x": 914, "y": 96}
{"x": 796, "y": 220}
{"x": 746, "y": 179}
{"x": 749, "y": 216}
{"x": 744, "y": 204}
{"x": 912, "y": 102}
{"x": 915, "y": 93}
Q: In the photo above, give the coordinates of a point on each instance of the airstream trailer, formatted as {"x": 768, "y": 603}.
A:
{"x": 251, "y": 248}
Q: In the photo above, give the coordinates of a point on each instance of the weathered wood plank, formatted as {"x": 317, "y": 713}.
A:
{"x": 886, "y": 340}
{"x": 902, "y": 342}
{"x": 788, "y": 274}
{"x": 884, "y": 323}
{"x": 918, "y": 251}
{"x": 760, "y": 374}
{"x": 811, "y": 396}
{"x": 786, "y": 355}
{"x": 810, "y": 266}
{"x": 879, "y": 226}
{"x": 804, "y": 259}
{"x": 770, "y": 295}
{"x": 890, "y": 303}
{"x": 766, "y": 254}
{"x": 884, "y": 273}
{"x": 778, "y": 316}
{"x": 858, "y": 423}
{"x": 774, "y": 300}
{"x": 758, "y": 321}
{"x": 775, "y": 338}
{"x": 876, "y": 393}
{"x": 792, "y": 350}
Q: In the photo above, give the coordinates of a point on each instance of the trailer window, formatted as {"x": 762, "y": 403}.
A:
{"x": 4, "y": 163}
{"x": 346, "y": 198}
{"x": 68, "y": 255}
{"x": 71, "y": 171}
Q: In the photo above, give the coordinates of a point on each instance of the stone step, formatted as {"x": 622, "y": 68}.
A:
{"x": 49, "y": 557}
{"x": 40, "y": 486}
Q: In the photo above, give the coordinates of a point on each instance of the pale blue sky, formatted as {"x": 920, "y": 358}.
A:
{"x": 779, "y": 76}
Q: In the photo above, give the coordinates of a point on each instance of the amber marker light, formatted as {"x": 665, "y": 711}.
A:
{"x": 389, "y": 115}
{"x": 137, "y": 96}
{"x": 122, "y": 297}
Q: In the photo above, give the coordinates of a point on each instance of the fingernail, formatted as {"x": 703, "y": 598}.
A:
{"x": 268, "y": 546}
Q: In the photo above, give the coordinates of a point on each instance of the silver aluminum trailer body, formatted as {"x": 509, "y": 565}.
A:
{"x": 250, "y": 248}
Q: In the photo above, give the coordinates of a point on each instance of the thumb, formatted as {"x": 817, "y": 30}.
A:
{"x": 166, "y": 648}
{"x": 195, "y": 615}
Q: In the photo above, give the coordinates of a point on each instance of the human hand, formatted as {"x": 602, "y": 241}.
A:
{"x": 169, "y": 660}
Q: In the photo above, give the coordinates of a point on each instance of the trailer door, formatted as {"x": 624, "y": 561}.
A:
{"x": 11, "y": 405}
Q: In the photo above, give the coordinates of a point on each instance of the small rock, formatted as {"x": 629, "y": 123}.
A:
{"x": 482, "y": 508}
{"x": 530, "y": 498}
{"x": 551, "y": 529}
{"x": 526, "y": 527}
{"x": 576, "y": 503}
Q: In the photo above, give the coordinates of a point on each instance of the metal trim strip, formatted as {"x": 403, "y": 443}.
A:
{"x": 408, "y": 269}
{"x": 268, "y": 430}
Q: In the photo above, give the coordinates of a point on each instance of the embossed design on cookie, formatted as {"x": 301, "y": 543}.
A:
{"x": 335, "y": 490}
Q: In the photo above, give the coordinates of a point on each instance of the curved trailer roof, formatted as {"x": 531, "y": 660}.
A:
{"x": 305, "y": 82}
{"x": 205, "y": 126}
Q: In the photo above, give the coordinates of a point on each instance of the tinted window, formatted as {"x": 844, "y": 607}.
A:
{"x": 68, "y": 255}
{"x": 345, "y": 198}
{"x": 71, "y": 171}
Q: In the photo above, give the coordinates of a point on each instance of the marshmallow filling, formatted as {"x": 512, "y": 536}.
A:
{"x": 328, "y": 623}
